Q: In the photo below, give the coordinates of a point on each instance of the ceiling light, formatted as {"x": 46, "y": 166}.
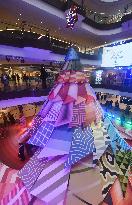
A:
{"x": 18, "y": 19}
{"x": 40, "y": 37}
{"x": 20, "y": 14}
{"x": 10, "y": 29}
{"x": 16, "y": 23}
{"x": 41, "y": 22}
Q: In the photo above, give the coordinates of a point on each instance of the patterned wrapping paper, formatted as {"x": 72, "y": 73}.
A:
{"x": 59, "y": 143}
{"x": 65, "y": 116}
{"x": 80, "y": 100}
{"x": 79, "y": 115}
{"x": 32, "y": 169}
{"x": 90, "y": 91}
{"x": 52, "y": 115}
{"x": 63, "y": 91}
{"x": 46, "y": 108}
{"x": 101, "y": 140}
{"x": 99, "y": 112}
{"x": 115, "y": 137}
{"x": 38, "y": 120}
{"x": 72, "y": 93}
{"x": 81, "y": 146}
{"x": 123, "y": 159}
{"x": 82, "y": 90}
{"x": 90, "y": 113}
{"x": 54, "y": 91}
{"x": 109, "y": 170}
{"x": 51, "y": 185}
{"x": 42, "y": 135}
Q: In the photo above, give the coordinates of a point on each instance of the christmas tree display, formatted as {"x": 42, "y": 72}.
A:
{"x": 80, "y": 155}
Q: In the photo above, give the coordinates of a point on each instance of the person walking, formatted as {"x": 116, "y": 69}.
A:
{"x": 11, "y": 118}
{"x": 14, "y": 79}
{"x": 44, "y": 76}
{"x": 18, "y": 78}
{"x": 5, "y": 120}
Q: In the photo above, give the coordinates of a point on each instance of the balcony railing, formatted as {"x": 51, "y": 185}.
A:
{"x": 121, "y": 88}
{"x": 24, "y": 39}
{"x": 99, "y": 18}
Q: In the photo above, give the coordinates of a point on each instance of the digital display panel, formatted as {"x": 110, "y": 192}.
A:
{"x": 120, "y": 55}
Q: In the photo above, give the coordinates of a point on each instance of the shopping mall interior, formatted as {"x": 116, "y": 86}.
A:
{"x": 66, "y": 102}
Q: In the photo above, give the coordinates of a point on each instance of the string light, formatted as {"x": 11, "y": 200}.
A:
{"x": 12, "y": 29}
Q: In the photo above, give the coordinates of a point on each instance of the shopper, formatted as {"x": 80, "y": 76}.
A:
{"x": 5, "y": 120}
{"x": 11, "y": 118}
{"x": 14, "y": 79}
{"x": 18, "y": 78}
{"x": 44, "y": 76}
{"x": 117, "y": 105}
{"x": 5, "y": 81}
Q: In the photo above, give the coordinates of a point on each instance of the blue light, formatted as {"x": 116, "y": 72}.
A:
{"x": 109, "y": 115}
{"x": 118, "y": 119}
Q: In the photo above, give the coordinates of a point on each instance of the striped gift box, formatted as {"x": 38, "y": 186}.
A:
{"x": 8, "y": 178}
{"x": 18, "y": 196}
{"x": 51, "y": 185}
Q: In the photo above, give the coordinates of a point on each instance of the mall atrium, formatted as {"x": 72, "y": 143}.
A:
{"x": 65, "y": 102}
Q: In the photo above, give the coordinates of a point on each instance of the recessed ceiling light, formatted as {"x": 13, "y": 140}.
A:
{"x": 16, "y": 23}
{"x": 20, "y": 14}
{"x": 41, "y": 22}
{"x": 18, "y": 19}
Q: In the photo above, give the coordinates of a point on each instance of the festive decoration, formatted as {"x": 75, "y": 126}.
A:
{"x": 80, "y": 152}
{"x": 72, "y": 17}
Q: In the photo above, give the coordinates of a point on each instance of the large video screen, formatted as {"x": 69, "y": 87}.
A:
{"x": 120, "y": 55}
